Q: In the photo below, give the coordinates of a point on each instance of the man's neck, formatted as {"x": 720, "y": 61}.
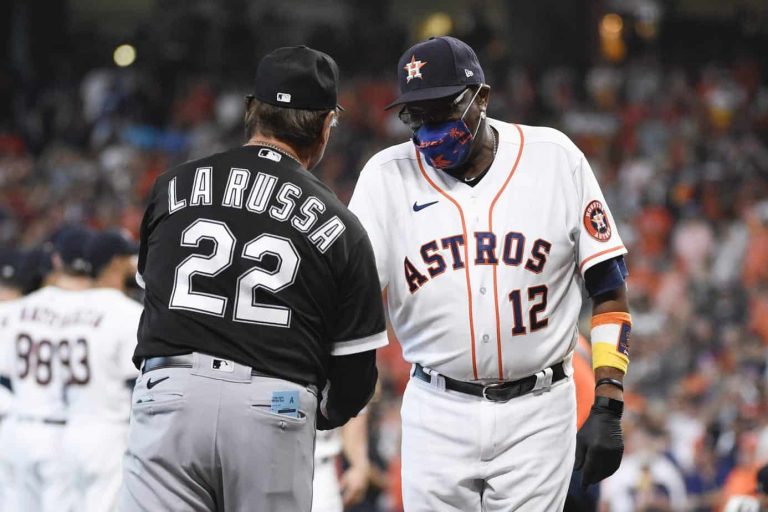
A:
{"x": 115, "y": 282}
{"x": 68, "y": 282}
{"x": 259, "y": 139}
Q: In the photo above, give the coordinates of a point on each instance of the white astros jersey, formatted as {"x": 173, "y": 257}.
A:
{"x": 485, "y": 282}
{"x": 54, "y": 339}
{"x": 104, "y": 394}
{"x": 36, "y": 340}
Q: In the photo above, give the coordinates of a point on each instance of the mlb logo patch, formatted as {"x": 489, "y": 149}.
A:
{"x": 283, "y": 97}
{"x": 270, "y": 155}
{"x": 222, "y": 365}
{"x": 623, "y": 345}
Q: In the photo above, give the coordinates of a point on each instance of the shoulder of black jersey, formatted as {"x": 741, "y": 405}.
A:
{"x": 204, "y": 161}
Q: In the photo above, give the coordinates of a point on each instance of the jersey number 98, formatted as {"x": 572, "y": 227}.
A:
{"x": 246, "y": 309}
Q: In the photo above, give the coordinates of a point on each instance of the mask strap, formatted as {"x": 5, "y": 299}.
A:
{"x": 470, "y": 103}
{"x": 482, "y": 114}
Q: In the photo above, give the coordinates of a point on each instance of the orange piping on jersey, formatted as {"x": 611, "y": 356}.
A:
{"x": 612, "y": 317}
{"x": 466, "y": 257}
{"x": 599, "y": 254}
{"x": 490, "y": 228}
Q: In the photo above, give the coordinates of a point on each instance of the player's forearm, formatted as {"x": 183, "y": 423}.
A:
{"x": 614, "y": 301}
{"x": 354, "y": 441}
{"x": 352, "y": 382}
{"x": 609, "y": 390}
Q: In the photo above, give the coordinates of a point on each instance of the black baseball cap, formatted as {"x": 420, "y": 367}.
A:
{"x": 436, "y": 68}
{"x": 105, "y": 246}
{"x": 298, "y": 77}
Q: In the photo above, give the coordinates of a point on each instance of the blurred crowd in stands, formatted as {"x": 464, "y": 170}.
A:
{"x": 681, "y": 155}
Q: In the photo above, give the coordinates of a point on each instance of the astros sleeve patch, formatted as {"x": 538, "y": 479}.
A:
{"x": 599, "y": 239}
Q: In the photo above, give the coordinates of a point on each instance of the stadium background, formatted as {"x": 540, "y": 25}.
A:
{"x": 668, "y": 100}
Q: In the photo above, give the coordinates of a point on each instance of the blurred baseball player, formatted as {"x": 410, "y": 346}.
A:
{"x": 13, "y": 285}
{"x": 261, "y": 288}
{"x": 10, "y": 265}
{"x": 98, "y": 392}
{"x": 36, "y": 338}
{"x": 331, "y": 493}
{"x": 504, "y": 222}
{"x": 21, "y": 272}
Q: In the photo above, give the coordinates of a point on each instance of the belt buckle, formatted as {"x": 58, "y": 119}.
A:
{"x": 494, "y": 385}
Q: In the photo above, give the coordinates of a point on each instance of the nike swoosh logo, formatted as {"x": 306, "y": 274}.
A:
{"x": 151, "y": 384}
{"x": 418, "y": 207}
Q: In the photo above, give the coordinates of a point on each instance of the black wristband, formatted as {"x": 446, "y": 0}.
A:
{"x": 613, "y": 382}
{"x": 616, "y": 406}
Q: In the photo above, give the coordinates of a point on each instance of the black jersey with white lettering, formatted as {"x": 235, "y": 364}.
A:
{"x": 247, "y": 256}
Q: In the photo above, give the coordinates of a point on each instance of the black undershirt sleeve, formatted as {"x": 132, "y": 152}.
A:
{"x": 351, "y": 383}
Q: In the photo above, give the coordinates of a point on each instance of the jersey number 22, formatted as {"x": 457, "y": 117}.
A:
{"x": 245, "y": 310}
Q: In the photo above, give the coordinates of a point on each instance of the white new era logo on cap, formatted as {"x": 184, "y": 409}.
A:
{"x": 468, "y": 73}
{"x": 284, "y": 97}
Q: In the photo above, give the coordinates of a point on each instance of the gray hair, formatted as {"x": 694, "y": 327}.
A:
{"x": 299, "y": 128}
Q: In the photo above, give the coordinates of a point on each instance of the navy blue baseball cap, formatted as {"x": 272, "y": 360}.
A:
{"x": 10, "y": 266}
{"x": 298, "y": 77}
{"x": 71, "y": 244}
{"x": 107, "y": 245}
{"x": 25, "y": 269}
{"x": 36, "y": 266}
{"x": 436, "y": 68}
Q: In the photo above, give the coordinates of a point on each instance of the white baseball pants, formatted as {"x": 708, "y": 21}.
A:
{"x": 462, "y": 453}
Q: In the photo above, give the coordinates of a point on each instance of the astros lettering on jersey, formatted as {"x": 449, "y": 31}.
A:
{"x": 510, "y": 252}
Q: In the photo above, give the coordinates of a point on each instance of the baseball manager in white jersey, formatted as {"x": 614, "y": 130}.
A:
{"x": 505, "y": 223}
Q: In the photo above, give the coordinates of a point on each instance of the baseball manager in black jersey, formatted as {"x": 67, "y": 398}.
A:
{"x": 261, "y": 289}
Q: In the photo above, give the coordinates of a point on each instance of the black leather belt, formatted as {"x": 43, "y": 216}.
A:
{"x": 497, "y": 391}
{"x": 156, "y": 363}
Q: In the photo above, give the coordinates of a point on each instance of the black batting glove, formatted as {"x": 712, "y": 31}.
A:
{"x": 600, "y": 442}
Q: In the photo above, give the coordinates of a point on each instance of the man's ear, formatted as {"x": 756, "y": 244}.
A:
{"x": 484, "y": 95}
{"x": 329, "y": 122}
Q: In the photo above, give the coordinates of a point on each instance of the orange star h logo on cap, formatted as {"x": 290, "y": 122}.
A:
{"x": 414, "y": 69}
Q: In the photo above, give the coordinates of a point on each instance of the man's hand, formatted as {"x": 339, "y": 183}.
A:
{"x": 600, "y": 442}
{"x": 354, "y": 484}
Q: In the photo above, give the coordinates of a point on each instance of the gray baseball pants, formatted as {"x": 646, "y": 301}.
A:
{"x": 205, "y": 439}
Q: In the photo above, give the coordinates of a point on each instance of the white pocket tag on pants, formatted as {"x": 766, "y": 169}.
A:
{"x": 286, "y": 402}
